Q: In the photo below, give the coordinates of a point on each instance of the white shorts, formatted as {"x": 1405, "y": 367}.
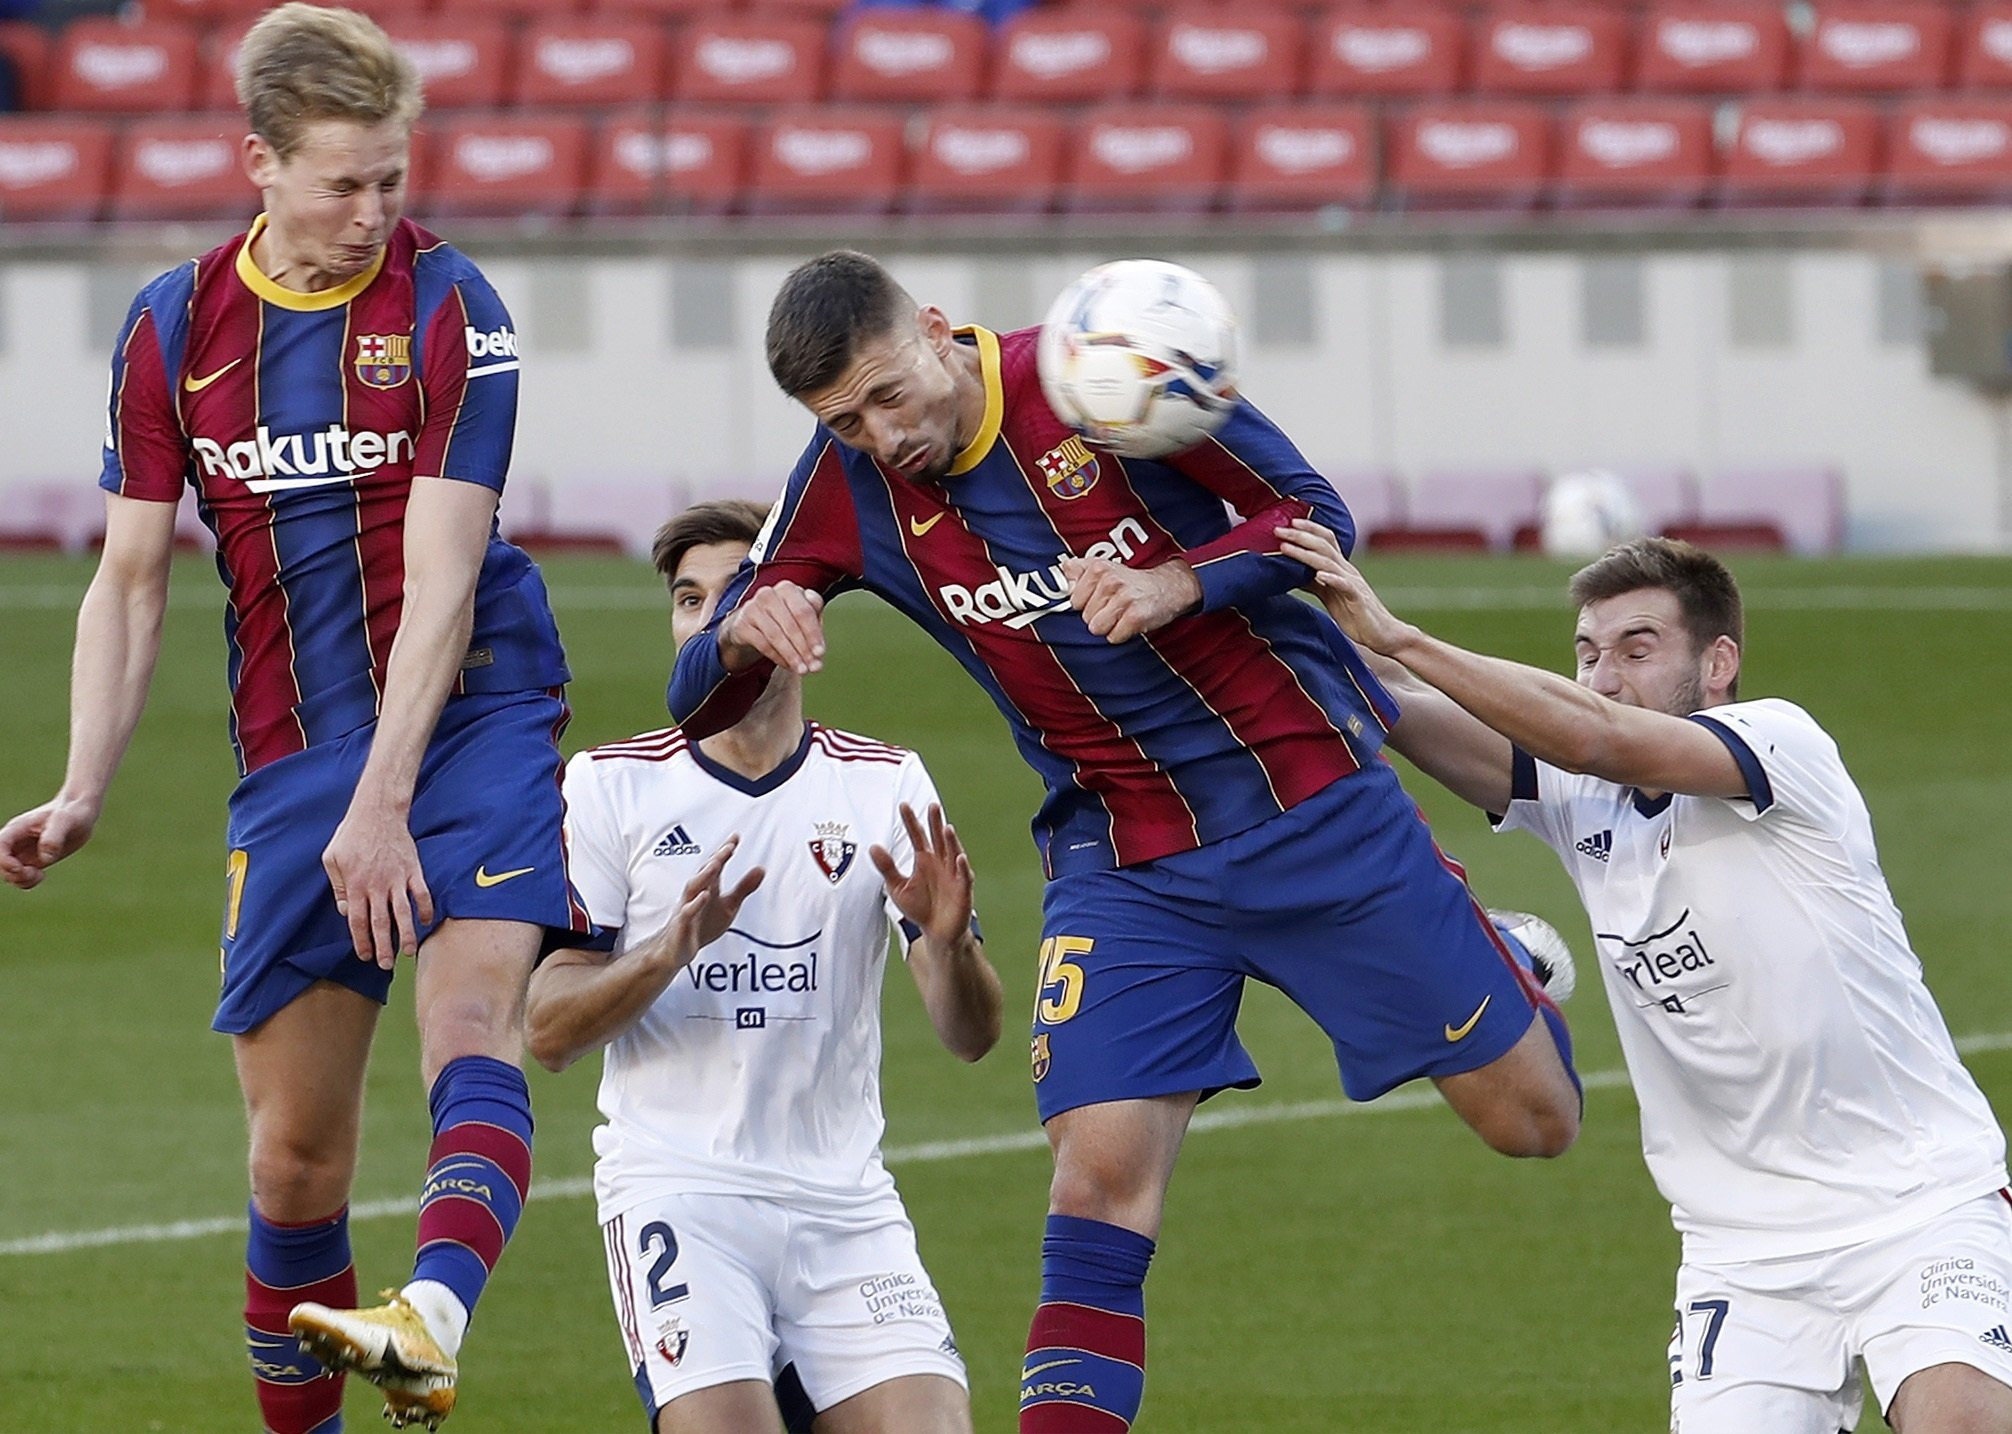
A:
{"x": 1772, "y": 1346}
{"x": 715, "y": 1288}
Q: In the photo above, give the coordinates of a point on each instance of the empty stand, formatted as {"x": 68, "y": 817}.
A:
{"x": 1664, "y": 493}
{"x": 1984, "y": 47}
{"x": 749, "y": 59}
{"x": 102, "y": 66}
{"x": 507, "y": 165}
{"x": 1630, "y": 151}
{"x": 1303, "y": 157}
{"x": 463, "y": 60}
{"x": 217, "y": 65}
{"x": 1802, "y": 151}
{"x": 1947, "y": 149}
{"x": 1147, "y": 157}
{"x": 690, "y": 163}
{"x": 1467, "y": 509}
{"x": 907, "y": 56}
{"x": 1549, "y": 49}
{"x": 591, "y": 61}
{"x": 1374, "y": 497}
{"x": 53, "y": 169}
{"x": 182, "y": 168}
{"x": 1409, "y": 50}
{"x": 521, "y": 9}
{"x": 991, "y": 158}
{"x": 828, "y": 159}
{"x": 1712, "y": 47}
{"x": 1228, "y": 52}
{"x": 657, "y": 9}
{"x": 28, "y": 49}
{"x": 1460, "y": 153}
{"x": 1797, "y": 508}
{"x": 1863, "y": 45}
{"x": 1069, "y": 56}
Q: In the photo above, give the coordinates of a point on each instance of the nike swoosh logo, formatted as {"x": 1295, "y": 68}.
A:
{"x": 197, "y": 385}
{"x": 483, "y": 878}
{"x": 1459, "y": 1032}
{"x": 921, "y": 530}
{"x": 1051, "y": 1364}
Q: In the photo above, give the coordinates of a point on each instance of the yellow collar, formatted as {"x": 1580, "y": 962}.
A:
{"x": 995, "y": 401}
{"x": 279, "y": 295}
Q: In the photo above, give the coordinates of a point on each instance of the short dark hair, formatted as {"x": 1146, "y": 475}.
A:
{"x": 823, "y": 310}
{"x": 723, "y": 520}
{"x": 1706, "y": 594}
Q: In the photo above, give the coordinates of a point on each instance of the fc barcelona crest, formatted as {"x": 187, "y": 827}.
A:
{"x": 1042, "y": 1057}
{"x": 1070, "y": 468}
{"x": 383, "y": 360}
{"x": 833, "y": 850}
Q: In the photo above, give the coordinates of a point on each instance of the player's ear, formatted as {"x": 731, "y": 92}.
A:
{"x": 260, "y": 161}
{"x": 1722, "y": 665}
{"x": 934, "y": 326}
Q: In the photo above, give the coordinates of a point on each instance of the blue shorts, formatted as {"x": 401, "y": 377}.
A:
{"x": 1344, "y": 903}
{"x": 486, "y": 816}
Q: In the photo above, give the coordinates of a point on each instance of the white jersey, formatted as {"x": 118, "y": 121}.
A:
{"x": 757, "y": 1071}
{"x": 1799, "y": 1090}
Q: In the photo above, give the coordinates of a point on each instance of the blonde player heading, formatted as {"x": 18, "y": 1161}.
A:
{"x": 1836, "y": 1175}
{"x": 750, "y": 1224}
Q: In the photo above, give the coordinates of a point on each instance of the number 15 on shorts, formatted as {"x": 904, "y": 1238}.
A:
{"x": 1060, "y": 993}
{"x": 1706, "y": 1318}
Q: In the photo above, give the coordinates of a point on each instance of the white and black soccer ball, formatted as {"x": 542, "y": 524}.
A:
{"x": 1587, "y": 513}
{"x": 1139, "y": 356}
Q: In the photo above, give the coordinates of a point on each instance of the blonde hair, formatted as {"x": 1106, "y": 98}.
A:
{"x": 303, "y": 63}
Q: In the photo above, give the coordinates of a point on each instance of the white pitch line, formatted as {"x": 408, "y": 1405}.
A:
{"x": 1237, "y": 1117}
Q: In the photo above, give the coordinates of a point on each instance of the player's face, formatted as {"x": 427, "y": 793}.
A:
{"x": 897, "y": 401}
{"x": 331, "y": 204}
{"x": 1635, "y": 649}
{"x": 699, "y": 584}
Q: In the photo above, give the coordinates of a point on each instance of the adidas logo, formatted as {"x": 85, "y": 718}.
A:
{"x": 1598, "y": 846}
{"x": 677, "y": 842}
{"x": 1997, "y": 1338}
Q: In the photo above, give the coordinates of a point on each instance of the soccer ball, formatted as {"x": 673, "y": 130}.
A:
{"x": 1587, "y": 513}
{"x": 1139, "y": 356}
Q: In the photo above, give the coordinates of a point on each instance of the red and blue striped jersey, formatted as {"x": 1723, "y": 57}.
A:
{"x": 300, "y": 420}
{"x": 1221, "y": 719}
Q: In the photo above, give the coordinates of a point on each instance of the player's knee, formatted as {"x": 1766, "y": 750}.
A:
{"x": 1538, "y": 1130}
{"x": 1106, "y": 1191}
{"x": 472, "y": 1025}
{"x": 295, "y": 1180}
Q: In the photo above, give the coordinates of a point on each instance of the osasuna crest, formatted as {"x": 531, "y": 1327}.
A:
{"x": 672, "y": 1337}
{"x": 1070, "y": 468}
{"x": 834, "y": 849}
{"x": 383, "y": 360}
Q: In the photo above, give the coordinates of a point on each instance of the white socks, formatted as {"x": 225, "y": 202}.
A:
{"x": 446, "y": 1317}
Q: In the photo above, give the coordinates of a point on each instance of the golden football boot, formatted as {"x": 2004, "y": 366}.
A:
{"x": 391, "y": 1347}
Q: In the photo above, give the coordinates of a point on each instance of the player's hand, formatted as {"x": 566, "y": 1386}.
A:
{"x": 936, "y": 895}
{"x": 36, "y": 840}
{"x": 374, "y": 869}
{"x": 705, "y": 911}
{"x": 783, "y": 622}
{"x": 1121, "y": 603}
{"x": 1349, "y": 599}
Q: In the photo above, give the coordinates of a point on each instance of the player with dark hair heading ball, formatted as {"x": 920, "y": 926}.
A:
{"x": 1216, "y": 811}
{"x": 339, "y": 387}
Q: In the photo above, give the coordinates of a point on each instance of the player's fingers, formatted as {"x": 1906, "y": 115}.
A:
{"x": 382, "y": 937}
{"x": 422, "y": 898}
{"x": 400, "y": 901}
{"x": 936, "y": 825}
{"x": 913, "y": 824}
{"x": 744, "y": 888}
{"x": 784, "y": 646}
{"x": 807, "y": 623}
{"x": 883, "y": 862}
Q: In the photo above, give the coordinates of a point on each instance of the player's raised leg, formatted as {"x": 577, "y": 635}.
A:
{"x": 914, "y": 1404}
{"x": 301, "y": 1071}
{"x": 1951, "y": 1399}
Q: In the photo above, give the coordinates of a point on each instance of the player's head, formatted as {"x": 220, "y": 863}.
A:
{"x": 698, "y": 552}
{"x": 331, "y": 104}
{"x": 1660, "y": 626}
{"x": 878, "y": 370}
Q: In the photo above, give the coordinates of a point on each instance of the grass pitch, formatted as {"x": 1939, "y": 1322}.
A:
{"x": 1322, "y": 1268}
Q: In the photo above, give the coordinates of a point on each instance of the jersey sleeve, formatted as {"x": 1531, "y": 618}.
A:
{"x": 595, "y": 856}
{"x": 1536, "y": 801}
{"x": 146, "y": 455}
{"x": 468, "y": 372}
{"x": 1255, "y": 468}
{"x": 1790, "y": 764}
{"x": 811, "y": 539}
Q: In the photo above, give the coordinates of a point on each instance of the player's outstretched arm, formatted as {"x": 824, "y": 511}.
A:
{"x": 959, "y": 988}
{"x": 118, "y": 641}
{"x": 580, "y": 1000}
{"x": 1553, "y": 718}
{"x": 1120, "y": 603}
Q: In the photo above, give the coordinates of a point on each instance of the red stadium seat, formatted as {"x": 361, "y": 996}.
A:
{"x": 691, "y": 163}
{"x": 1635, "y": 152}
{"x": 1413, "y": 50}
{"x": 1374, "y": 496}
{"x": 519, "y": 9}
{"x": 1303, "y": 157}
{"x": 463, "y": 61}
{"x": 1466, "y": 510}
{"x": 53, "y": 168}
{"x": 1549, "y": 49}
{"x": 753, "y": 59}
{"x": 827, "y": 160}
{"x": 1984, "y": 49}
{"x": 1862, "y": 45}
{"x": 591, "y": 62}
{"x": 507, "y": 165}
{"x": 216, "y": 77}
{"x": 103, "y": 66}
{"x": 989, "y": 159}
{"x": 1712, "y": 47}
{"x": 1809, "y": 151}
{"x": 1147, "y": 157}
{"x": 909, "y": 56}
{"x": 1798, "y": 508}
{"x": 1221, "y": 52}
{"x": 1957, "y": 148}
{"x": 660, "y": 9}
{"x": 1482, "y": 153}
{"x": 823, "y": 11}
{"x": 1069, "y": 56}
{"x": 27, "y": 48}
{"x": 182, "y": 168}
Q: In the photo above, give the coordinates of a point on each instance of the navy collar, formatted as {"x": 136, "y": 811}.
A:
{"x": 1649, "y": 808}
{"x": 755, "y": 786}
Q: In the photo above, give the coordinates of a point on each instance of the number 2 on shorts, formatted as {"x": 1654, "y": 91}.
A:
{"x": 1058, "y": 969}
{"x": 656, "y": 1237}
